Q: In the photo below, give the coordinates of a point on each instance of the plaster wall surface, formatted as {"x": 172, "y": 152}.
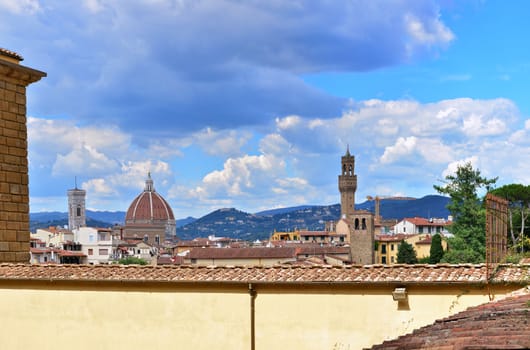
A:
{"x": 154, "y": 317}
{"x": 353, "y": 319}
{"x": 95, "y": 319}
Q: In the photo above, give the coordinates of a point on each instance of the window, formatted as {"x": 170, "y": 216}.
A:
{"x": 146, "y": 238}
{"x": 383, "y": 260}
{"x": 392, "y": 259}
{"x": 383, "y": 249}
{"x": 342, "y": 239}
{"x": 78, "y": 211}
{"x": 392, "y": 248}
{"x": 157, "y": 239}
{"x": 103, "y": 252}
{"x": 306, "y": 238}
{"x": 363, "y": 224}
{"x": 90, "y": 251}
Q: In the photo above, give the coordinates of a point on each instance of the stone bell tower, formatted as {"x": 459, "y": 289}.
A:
{"x": 347, "y": 184}
{"x": 14, "y": 194}
{"x": 76, "y": 208}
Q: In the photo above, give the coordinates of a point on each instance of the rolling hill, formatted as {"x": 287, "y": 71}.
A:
{"x": 231, "y": 222}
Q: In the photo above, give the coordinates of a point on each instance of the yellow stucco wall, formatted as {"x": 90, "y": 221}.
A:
{"x": 95, "y": 319}
{"x": 55, "y": 316}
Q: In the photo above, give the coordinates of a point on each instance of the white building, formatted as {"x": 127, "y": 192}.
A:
{"x": 96, "y": 243}
{"x": 421, "y": 225}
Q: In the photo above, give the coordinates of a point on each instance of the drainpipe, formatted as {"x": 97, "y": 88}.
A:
{"x": 253, "y": 293}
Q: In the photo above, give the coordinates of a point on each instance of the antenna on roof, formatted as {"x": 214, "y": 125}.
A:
{"x": 75, "y": 182}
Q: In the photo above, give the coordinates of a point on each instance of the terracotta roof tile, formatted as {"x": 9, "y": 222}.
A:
{"x": 242, "y": 253}
{"x": 501, "y": 324}
{"x": 11, "y": 54}
{"x": 368, "y": 274}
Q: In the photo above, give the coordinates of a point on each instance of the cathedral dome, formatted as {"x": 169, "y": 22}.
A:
{"x": 149, "y": 207}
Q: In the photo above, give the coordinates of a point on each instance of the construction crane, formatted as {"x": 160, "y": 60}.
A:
{"x": 377, "y": 200}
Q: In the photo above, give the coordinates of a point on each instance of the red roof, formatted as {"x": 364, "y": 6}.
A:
{"x": 148, "y": 205}
{"x": 426, "y": 222}
{"x": 502, "y": 324}
{"x": 242, "y": 253}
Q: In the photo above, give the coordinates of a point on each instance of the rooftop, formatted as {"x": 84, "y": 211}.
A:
{"x": 501, "y": 324}
{"x": 351, "y": 274}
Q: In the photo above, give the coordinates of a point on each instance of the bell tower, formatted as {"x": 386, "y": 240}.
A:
{"x": 76, "y": 208}
{"x": 347, "y": 184}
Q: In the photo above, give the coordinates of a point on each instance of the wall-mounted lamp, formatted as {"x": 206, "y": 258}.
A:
{"x": 400, "y": 294}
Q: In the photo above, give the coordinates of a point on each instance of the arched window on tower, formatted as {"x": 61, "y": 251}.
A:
{"x": 343, "y": 169}
{"x": 356, "y": 225}
{"x": 363, "y": 224}
{"x": 350, "y": 170}
{"x": 78, "y": 211}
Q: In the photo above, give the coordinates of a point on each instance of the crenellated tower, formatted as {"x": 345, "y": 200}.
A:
{"x": 347, "y": 184}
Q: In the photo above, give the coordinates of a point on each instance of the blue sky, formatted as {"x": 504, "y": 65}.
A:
{"x": 250, "y": 104}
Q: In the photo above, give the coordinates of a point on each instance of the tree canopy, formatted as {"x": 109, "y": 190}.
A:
{"x": 406, "y": 254}
{"x": 468, "y": 228}
{"x": 437, "y": 251}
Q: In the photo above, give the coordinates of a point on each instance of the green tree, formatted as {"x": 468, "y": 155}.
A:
{"x": 469, "y": 221}
{"x": 518, "y": 197}
{"x": 130, "y": 260}
{"x": 437, "y": 251}
{"x": 406, "y": 254}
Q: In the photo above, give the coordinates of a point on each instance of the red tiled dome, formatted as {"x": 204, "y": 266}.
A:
{"x": 149, "y": 206}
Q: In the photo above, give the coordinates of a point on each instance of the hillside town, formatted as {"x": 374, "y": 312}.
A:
{"x": 149, "y": 235}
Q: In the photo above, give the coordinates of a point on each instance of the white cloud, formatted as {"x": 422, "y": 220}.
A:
{"x": 402, "y": 147}
{"x": 429, "y": 32}
{"x": 453, "y": 166}
{"x": 20, "y": 6}
{"x": 83, "y": 159}
{"x": 241, "y": 175}
{"x": 99, "y": 188}
{"x": 288, "y": 122}
{"x": 94, "y": 6}
{"x": 221, "y": 143}
{"x": 476, "y": 125}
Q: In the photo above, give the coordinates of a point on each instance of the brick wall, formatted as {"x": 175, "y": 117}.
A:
{"x": 14, "y": 194}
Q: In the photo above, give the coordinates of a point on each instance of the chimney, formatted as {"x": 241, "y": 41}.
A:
{"x": 14, "y": 194}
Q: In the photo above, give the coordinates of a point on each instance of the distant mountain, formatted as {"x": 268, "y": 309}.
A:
{"x": 272, "y": 212}
{"x": 231, "y": 222}
{"x": 95, "y": 218}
